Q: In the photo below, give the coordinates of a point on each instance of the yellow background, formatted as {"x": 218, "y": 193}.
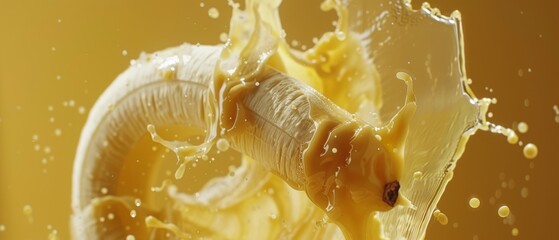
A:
{"x": 58, "y": 51}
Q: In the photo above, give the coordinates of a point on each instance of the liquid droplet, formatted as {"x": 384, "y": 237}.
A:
{"x": 213, "y": 13}
{"x": 222, "y": 144}
{"x": 515, "y": 232}
{"x": 503, "y": 211}
{"x": 522, "y": 127}
{"x": 530, "y": 151}
{"x": 474, "y": 202}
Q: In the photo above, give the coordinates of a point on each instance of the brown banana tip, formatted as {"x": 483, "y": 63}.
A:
{"x": 390, "y": 194}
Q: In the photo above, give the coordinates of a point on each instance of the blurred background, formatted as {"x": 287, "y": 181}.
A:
{"x": 57, "y": 56}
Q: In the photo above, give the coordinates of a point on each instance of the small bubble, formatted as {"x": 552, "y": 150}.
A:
{"x": 2, "y": 227}
{"x": 222, "y": 144}
{"x": 110, "y": 216}
{"x": 524, "y": 192}
{"x": 520, "y": 72}
{"x": 334, "y": 150}
{"x": 257, "y": 84}
{"x": 137, "y": 202}
{"x": 223, "y": 37}
{"x": 57, "y": 132}
{"x": 512, "y": 138}
{"x": 474, "y": 202}
{"x": 104, "y": 190}
{"x": 213, "y": 13}
{"x": 340, "y": 35}
{"x": 81, "y": 110}
{"x": 71, "y": 103}
{"x": 133, "y": 213}
{"x": 441, "y": 217}
{"x": 47, "y": 150}
{"x": 294, "y": 43}
{"x": 418, "y": 175}
{"x": 130, "y": 237}
{"x": 522, "y": 127}
{"x": 515, "y": 232}
{"x": 28, "y": 212}
{"x": 530, "y": 151}
{"x": 124, "y": 52}
{"x": 503, "y": 211}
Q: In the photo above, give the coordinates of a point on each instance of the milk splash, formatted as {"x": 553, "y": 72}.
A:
{"x": 357, "y": 67}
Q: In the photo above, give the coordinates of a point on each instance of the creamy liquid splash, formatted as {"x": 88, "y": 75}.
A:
{"x": 331, "y": 63}
{"x": 410, "y": 140}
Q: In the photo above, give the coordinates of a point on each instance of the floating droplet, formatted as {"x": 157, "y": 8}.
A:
{"x": 441, "y": 217}
{"x": 222, "y": 144}
{"x": 503, "y": 211}
{"x": 223, "y": 37}
{"x": 524, "y": 192}
{"x": 213, "y": 13}
{"x": 474, "y": 202}
{"x": 28, "y": 212}
{"x": 522, "y": 127}
{"x": 530, "y": 151}
{"x": 515, "y": 232}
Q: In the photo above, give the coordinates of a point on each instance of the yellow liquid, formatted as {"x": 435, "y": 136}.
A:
{"x": 357, "y": 183}
{"x": 354, "y": 187}
{"x": 272, "y": 216}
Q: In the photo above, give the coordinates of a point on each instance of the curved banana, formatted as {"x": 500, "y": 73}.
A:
{"x": 289, "y": 128}
{"x": 350, "y": 171}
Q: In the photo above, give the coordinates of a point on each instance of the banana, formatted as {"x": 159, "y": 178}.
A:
{"x": 287, "y": 127}
{"x": 307, "y": 169}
